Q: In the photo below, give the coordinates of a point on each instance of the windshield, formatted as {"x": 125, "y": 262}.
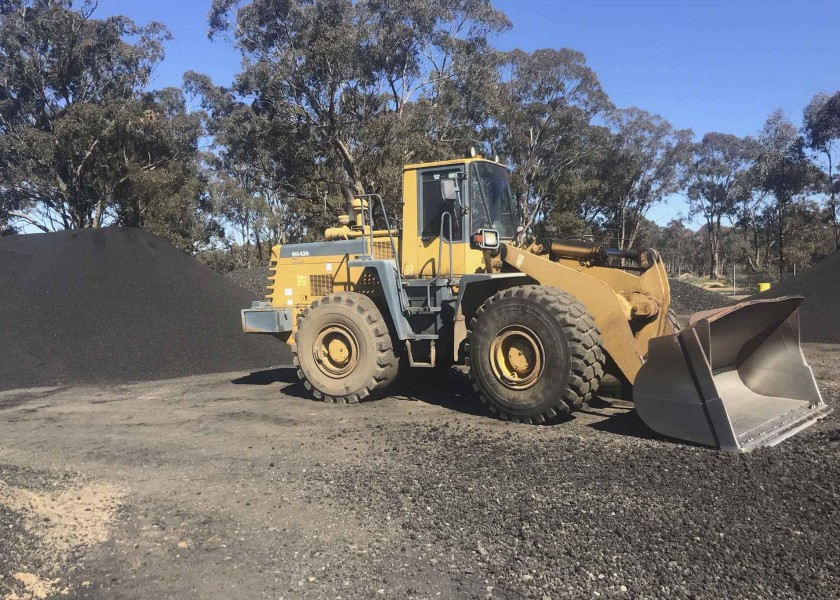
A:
{"x": 491, "y": 202}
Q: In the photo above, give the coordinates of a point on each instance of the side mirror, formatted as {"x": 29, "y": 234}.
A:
{"x": 449, "y": 189}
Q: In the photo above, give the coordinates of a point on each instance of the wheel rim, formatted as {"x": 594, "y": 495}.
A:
{"x": 517, "y": 357}
{"x": 336, "y": 351}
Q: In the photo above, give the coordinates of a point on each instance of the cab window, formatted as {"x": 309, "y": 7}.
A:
{"x": 434, "y": 205}
{"x": 491, "y": 200}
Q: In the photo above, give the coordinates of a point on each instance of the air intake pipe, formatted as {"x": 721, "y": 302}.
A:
{"x": 348, "y": 194}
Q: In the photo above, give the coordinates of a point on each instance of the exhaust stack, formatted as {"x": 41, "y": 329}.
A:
{"x": 735, "y": 379}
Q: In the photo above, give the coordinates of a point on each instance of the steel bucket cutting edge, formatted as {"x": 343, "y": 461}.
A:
{"x": 734, "y": 379}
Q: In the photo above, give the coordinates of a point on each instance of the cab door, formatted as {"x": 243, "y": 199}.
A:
{"x": 440, "y": 220}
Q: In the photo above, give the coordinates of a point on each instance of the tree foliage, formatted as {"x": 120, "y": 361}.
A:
{"x": 717, "y": 178}
{"x": 352, "y": 71}
{"x": 821, "y": 128}
{"x": 335, "y": 96}
{"x": 541, "y": 122}
{"x": 639, "y": 167}
{"x": 784, "y": 171}
{"x": 82, "y": 143}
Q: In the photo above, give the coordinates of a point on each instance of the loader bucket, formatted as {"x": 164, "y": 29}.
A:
{"x": 734, "y": 379}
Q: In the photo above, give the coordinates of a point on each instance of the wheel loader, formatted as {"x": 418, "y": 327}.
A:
{"x": 537, "y": 325}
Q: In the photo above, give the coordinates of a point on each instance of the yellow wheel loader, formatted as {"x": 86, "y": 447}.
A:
{"x": 537, "y": 325}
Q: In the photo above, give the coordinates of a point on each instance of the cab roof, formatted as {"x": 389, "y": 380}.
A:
{"x": 446, "y": 163}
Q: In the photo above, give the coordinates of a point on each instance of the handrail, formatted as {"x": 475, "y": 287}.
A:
{"x": 387, "y": 227}
{"x": 397, "y": 266}
{"x": 446, "y": 217}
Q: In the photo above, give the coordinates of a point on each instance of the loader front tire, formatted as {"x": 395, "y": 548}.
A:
{"x": 534, "y": 353}
{"x": 343, "y": 349}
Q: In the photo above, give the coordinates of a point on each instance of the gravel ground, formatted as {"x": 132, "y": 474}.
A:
{"x": 116, "y": 305}
{"x": 687, "y": 299}
{"x": 253, "y": 279}
{"x": 239, "y": 486}
{"x": 820, "y": 312}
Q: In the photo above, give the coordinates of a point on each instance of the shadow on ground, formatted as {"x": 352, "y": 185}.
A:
{"x": 268, "y": 376}
{"x": 287, "y": 375}
{"x": 450, "y": 389}
{"x": 622, "y": 420}
{"x": 615, "y": 415}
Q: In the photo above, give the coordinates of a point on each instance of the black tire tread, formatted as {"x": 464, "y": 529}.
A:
{"x": 587, "y": 356}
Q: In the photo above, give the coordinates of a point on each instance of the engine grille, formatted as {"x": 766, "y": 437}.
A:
{"x": 320, "y": 285}
{"x": 383, "y": 250}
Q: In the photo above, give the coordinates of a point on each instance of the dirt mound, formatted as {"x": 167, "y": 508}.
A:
{"x": 687, "y": 299}
{"x": 117, "y": 305}
{"x": 820, "y": 311}
{"x": 253, "y": 279}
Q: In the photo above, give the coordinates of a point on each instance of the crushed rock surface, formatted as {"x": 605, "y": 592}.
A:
{"x": 687, "y": 299}
{"x": 253, "y": 279}
{"x": 241, "y": 486}
{"x": 820, "y": 310}
{"x": 116, "y": 305}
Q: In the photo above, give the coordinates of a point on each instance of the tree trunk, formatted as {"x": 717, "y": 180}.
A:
{"x": 714, "y": 265}
{"x": 100, "y": 212}
{"x": 622, "y": 227}
{"x": 714, "y": 252}
{"x": 781, "y": 239}
{"x": 350, "y": 168}
{"x": 258, "y": 243}
{"x": 832, "y": 202}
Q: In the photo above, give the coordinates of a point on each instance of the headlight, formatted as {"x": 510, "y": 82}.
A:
{"x": 485, "y": 239}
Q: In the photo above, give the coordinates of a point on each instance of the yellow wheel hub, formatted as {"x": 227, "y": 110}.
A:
{"x": 517, "y": 357}
{"x": 336, "y": 351}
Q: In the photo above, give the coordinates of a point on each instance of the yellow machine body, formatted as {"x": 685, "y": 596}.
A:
{"x": 431, "y": 279}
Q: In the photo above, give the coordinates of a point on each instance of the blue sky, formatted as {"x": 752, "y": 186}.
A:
{"x": 712, "y": 65}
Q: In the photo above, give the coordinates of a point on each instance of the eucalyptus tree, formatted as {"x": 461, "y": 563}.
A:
{"x": 262, "y": 168}
{"x": 716, "y": 180}
{"x": 365, "y": 79}
{"x": 822, "y": 136}
{"x": 83, "y": 143}
{"x": 540, "y": 120}
{"x": 640, "y": 166}
{"x": 783, "y": 171}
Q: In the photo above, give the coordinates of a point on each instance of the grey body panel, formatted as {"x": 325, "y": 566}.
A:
{"x": 264, "y": 318}
{"x": 465, "y": 281}
{"x": 336, "y": 248}
{"x": 389, "y": 277}
{"x": 735, "y": 379}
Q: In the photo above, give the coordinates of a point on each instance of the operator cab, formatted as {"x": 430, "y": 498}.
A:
{"x": 467, "y": 204}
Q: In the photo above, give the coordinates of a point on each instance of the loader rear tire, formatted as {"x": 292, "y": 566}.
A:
{"x": 534, "y": 353}
{"x": 343, "y": 349}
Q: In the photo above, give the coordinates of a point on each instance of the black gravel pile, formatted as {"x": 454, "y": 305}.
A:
{"x": 527, "y": 515}
{"x": 820, "y": 311}
{"x": 253, "y": 279}
{"x": 117, "y": 305}
{"x": 687, "y": 299}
